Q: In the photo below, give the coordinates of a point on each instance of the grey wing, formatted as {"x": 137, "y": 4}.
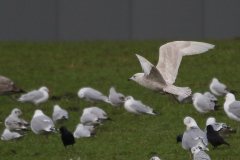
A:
{"x": 139, "y": 107}
{"x": 217, "y": 126}
{"x": 33, "y": 95}
{"x": 201, "y": 155}
{"x": 150, "y": 71}
{"x": 234, "y": 108}
{"x": 98, "y": 112}
{"x": 170, "y": 56}
{"x": 220, "y": 88}
{"x": 205, "y": 104}
{"x": 88, "y": 118}
{"x": 116, "y": 98}
{"x": 210, "y": 96}
{"x": 94, "y": 94}
{"x": 60, "y": 114}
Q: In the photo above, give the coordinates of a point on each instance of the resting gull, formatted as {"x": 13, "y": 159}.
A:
{"x": 14, "y": 123}
{"x": 116, "y": 99}
{"x": 83, "y": 131}
{"x": 42, "y": 124}
{"x": 161, "y": 78}
{"x": 89, "y": 119}
{"x": 199, "y": 154}
{"x": 223, "y": 130}
{"x": 35, "y": 96}
{"x": 218, "y": 88}
{"x": 210, "y": 97}
{"x": 59, "y": 115}
{"x": 137, "y": 107}
{"x": 8, "y": 87}
{"x": 92, "y": 95}
{"x": 101, "y": 114}
{"x": 203, "y": 104}
{"x": 193, "y": 135}
{"x": 7, "y": 135}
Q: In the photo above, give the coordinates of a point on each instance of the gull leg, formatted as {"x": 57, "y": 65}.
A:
{"x": 175, "y": 99}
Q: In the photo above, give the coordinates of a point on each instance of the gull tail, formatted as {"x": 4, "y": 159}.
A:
{"x": 233, "y": 92}
{"x": 181, "y": 91}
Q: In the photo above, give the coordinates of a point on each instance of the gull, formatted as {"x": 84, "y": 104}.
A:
{"x": 137, "y": 107}
{"x": 14, "y": 123}
{"x": 218, "y": 88}
{"x": 161, "y": 78}
{"x": 116, "y": 99}
{"x": 155, "y": 158}
{"x": 214, "y": 138}
{"x": 232, "y": 107}
{"x": 199, "y": 154}
{"x": 67, "y": 137}
{"x": 89, "y": 119}
{"x": 59, "y": 115}
{"x": 42, "y": 124}
{"x": 101, "y": 114}
{"x": 83, "y": 131}
{"x": 92, "y": 95}
{"x": 7, "y": 135}
{"x": 8, "y": 87}
{"x": 193, "y": 135}
{"x": 35, "y": 96}
{"x": 223, "y": 130}
{"x": 203, "y": 104}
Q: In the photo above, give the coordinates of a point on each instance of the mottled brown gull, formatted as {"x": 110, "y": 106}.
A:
{"x": 8, "y": 87}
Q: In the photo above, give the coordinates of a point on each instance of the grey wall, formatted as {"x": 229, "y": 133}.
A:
{"x": 81, "y": 20}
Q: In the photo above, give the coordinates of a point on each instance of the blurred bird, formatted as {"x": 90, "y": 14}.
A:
{"x": 59, "y": 115}
{"x": 160, "y": 79}
{"x": 7, "y": 86}
{"x": 214, "y": 138}
{"x": 136, "y": 107}
{"x": 89, "y": 119}
{"x": 92, "y": 95}
{"x": 14, "y": 123}
{"x": 42, "y": 124}
{"x": 179, "y": 138}
{"x": 155, "y": 158}
{"x": 35, "y": 96}
{"x": 218, "y": 88}
{"x": 83, "y": 131}
{"x": 116, "y": 99}
{"x": 101, "y": 114}
{"x": 199, "y": 154}
{"x": 67, "y": 137}
{"x": 203, "y": 104}
{"x": 7, "y": 135}
{"x": 211, "y": 97}
{"x": 223, "y": 130}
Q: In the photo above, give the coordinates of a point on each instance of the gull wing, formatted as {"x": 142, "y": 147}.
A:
{"x": 150, "y": 70}
{"x": 170, "y": 56}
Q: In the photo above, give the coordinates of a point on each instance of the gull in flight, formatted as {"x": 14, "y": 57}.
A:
{"x": 161, "y": 78}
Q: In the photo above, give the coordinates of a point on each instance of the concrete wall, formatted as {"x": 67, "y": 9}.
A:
{"x": 85, "y": 20}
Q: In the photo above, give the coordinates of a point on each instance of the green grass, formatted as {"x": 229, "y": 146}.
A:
{"x": 66, "y": 67}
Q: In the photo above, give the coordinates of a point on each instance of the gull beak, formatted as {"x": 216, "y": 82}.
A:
{"x": 225, "y": 98}
{"x": 49, "y": 91}
{"x": 188, "y": 127}
{"x": 21, "y": 113}
{"x": 129, "y": 79}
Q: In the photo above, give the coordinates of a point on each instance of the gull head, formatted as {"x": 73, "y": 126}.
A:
{"x": 45, "y": 89}
{"x": 214, "y": 80}
{"x": 56, "y": 108}
{"x": 230, "y": 97}
{"x": 189, "y": 122}
{"x": 81, "y": 92}
{"x": 79, "y": 126}
{"x": 195, "y": 95}
{"x": 136, "y": 77}
{"x": 86, "y": 110}
{"x": 210, "y": 121}
{"x": 16, "y": 112}
{"x": 128, "y": 98}
{"x": 38, "y": 113}
{"x": 195, "y": 149}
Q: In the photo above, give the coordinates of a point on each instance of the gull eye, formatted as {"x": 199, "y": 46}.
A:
{"x": 15, "y": 111}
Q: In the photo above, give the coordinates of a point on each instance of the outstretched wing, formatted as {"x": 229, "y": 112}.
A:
{"x": 170, "y": 56}
{"x": 150, "y": 70}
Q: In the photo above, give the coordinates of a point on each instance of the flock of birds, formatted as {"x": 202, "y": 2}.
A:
{"x": 158, "y": 78}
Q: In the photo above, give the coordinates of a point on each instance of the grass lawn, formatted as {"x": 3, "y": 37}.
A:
{"x": 66, "y": 67}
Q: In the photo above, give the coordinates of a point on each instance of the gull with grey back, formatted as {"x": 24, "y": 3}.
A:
{"x": 199, "y": 154}
{"x": 161, "y": 78}
{"x": 7, "y": 135}
{"x": 59, "y": 115}
{"x": 116, "y": 99}
{"x": 219, "y": 89}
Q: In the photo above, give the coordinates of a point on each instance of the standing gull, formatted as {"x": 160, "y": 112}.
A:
{"x": 193, "y": 135}
{"x": 7, "y": 135}
{"x": 136, "y": 107}
{"x": 161, "y": 78}
{"x": 8, "y": 87}
{"x": 14, "y": 123}
{"x": 232, "y": 107}
{"x": 42, "y": 124}
{"x": 59, "y": 115}
{"x": 223, "y": 130}
{"x": 116, "y": 99}
{"x": 92, "y": 95}
{"x": 35, "y": 96}
{"x": 218, "y": 88}
{"x": 203, "y": 104}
